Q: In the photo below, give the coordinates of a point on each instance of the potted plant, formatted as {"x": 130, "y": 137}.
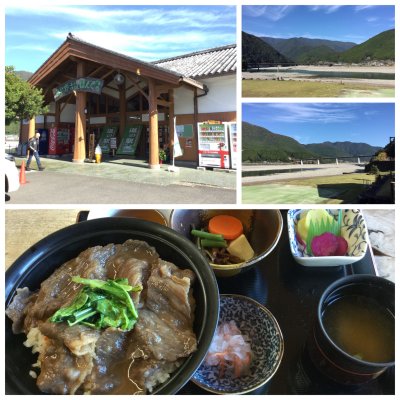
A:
{"x": 162, "y": 155}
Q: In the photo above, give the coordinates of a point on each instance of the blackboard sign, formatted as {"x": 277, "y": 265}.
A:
{"x": 130, "y": 140}
{"x": 184, "y": 131}
{"x": 107, "y": 133}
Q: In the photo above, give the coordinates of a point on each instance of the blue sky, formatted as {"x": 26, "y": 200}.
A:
{"x": 345, "y": 23}
{"x": 371, "y": 123}
{"x": 149, "y": 33}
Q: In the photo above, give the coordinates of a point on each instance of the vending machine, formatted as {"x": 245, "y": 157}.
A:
{"x": 43, "y": 141}
{"x": 60, "y": 140}
{"x": 233, "y": 143}
{"x": 213, "y": 144}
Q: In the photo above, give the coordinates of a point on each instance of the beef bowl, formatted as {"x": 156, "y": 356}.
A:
{"x": 39, "y": 263}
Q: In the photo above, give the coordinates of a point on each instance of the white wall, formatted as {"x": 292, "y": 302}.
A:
{"x": 220, "y": 98}
{"x": 183, "y": 98}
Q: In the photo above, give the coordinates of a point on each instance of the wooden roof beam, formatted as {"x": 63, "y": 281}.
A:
{"x": 97, "y": 70}
{"x": 136, "y": 85}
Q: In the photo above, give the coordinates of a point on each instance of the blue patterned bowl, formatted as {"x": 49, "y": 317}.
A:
{"x": 353, "y": 229}
{"x": 257, "y": 322}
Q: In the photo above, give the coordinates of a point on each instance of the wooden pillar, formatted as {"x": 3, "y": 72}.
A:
{"x": 196, "y": 120}
{"x": 122, "y": 110}
{"x": 80, "y": 120}
{"x": 154, "y": 162}
{"x": 31, "y": 132}
{"x": 171, "y": 121}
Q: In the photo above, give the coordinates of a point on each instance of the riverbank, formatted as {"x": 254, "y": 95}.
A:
{"x": 385, "y": 69}
{"x": 336, "y": 189}
{"x": 306, "y": 171}
{"x": 299, "y": 87}
{"x": 307, "y": 81}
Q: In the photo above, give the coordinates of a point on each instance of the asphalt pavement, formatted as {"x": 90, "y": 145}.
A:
{"x": 122, "y": 181}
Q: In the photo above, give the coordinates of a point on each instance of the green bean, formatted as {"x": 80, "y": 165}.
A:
{"x": 207, "y": 235}
{"x": 213, "y": 243}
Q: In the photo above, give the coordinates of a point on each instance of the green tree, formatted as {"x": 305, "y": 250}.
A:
{"x": 23, "y": 101}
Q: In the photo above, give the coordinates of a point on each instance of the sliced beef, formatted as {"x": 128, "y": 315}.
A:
{"x": 18, "y": 308}
{"x": 61, "y": 371}
{"x": 132, "y": 260}
{"x": 108, "y": 364}
{"x": 155, "y": 338}
{"x": 58, "y": 290}
{"x": 79, "y": 339}
{"x": 169, "y": 295}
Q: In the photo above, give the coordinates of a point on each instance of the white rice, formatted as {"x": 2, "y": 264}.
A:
{"x": 37, "y": 341}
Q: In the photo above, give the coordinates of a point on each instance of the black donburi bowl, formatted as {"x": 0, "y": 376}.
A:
{"x": 38, "y": 262}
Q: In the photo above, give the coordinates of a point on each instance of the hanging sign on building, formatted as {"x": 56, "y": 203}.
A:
{"x": 91, "y": 85}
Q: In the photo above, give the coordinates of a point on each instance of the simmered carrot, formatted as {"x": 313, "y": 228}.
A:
{"x": 226, "y": 225}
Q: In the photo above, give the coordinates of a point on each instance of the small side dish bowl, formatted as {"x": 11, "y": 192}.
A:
{"x": 256, "y": 322}
{"x": 353, "y": 229}
{"x": 262, "y": 228}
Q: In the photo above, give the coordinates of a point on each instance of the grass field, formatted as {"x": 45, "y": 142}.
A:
{"x": 270, "y": 88}
{"x": 321, "y": 190}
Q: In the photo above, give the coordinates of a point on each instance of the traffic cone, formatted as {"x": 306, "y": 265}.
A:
{"x": 22, "y": 178}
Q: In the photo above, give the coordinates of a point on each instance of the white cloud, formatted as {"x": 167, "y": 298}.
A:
{"x": 273, "y": 13}
{"x": 311, "y": 113}
{"x": 107, "y": 16}
{"x": 27, "y": 47}
{"x": 362, "y": 8}
{"x": 326, "y": 9}
{"x": 148, "y": 47}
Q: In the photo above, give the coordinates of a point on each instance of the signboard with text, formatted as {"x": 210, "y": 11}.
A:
{"x": 91, "y": 85}
{"x": 130, "y": 140}
{"x": 107, "y": 133}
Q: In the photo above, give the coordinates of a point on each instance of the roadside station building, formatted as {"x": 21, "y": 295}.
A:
{"x": 96, "y": 95}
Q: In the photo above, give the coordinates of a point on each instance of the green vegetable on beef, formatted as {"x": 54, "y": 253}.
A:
{"x": 100, "y": 304}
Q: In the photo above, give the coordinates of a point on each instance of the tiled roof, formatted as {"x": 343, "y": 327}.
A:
{"x": 216, "y": 61}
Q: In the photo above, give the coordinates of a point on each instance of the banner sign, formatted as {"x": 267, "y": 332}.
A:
{"x": 107, "y": 133}
{"x": 130, "y": 140}
{"x": 91, "y": 85}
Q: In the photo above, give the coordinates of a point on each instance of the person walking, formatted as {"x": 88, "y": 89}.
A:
{"x": 33, "y": 146}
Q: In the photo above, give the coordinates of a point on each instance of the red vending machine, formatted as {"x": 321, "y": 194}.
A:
{"x": 61, "y": 140}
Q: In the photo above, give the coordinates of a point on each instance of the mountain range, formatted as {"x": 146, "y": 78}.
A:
{"x": 260, "y": 144}
{"x": 302, "y": 50}
{"x": 257, "y": 51}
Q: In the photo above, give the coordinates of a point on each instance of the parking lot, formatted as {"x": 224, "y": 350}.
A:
{"x": 122, "y": 181}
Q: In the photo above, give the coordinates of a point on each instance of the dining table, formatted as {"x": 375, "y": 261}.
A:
{"x": 290, "y": 291}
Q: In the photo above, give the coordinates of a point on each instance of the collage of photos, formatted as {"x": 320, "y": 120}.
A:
{"x": 199, "y": 199}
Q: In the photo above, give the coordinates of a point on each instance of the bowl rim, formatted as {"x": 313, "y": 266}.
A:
{"x": 231, "y": 267}
{"x": 336, "y": 260}
{"x": 281, "y": 350}
{"x": 32, "y": 257}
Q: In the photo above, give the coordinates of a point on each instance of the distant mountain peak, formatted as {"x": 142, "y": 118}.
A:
{"x": 260, "y": 144}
